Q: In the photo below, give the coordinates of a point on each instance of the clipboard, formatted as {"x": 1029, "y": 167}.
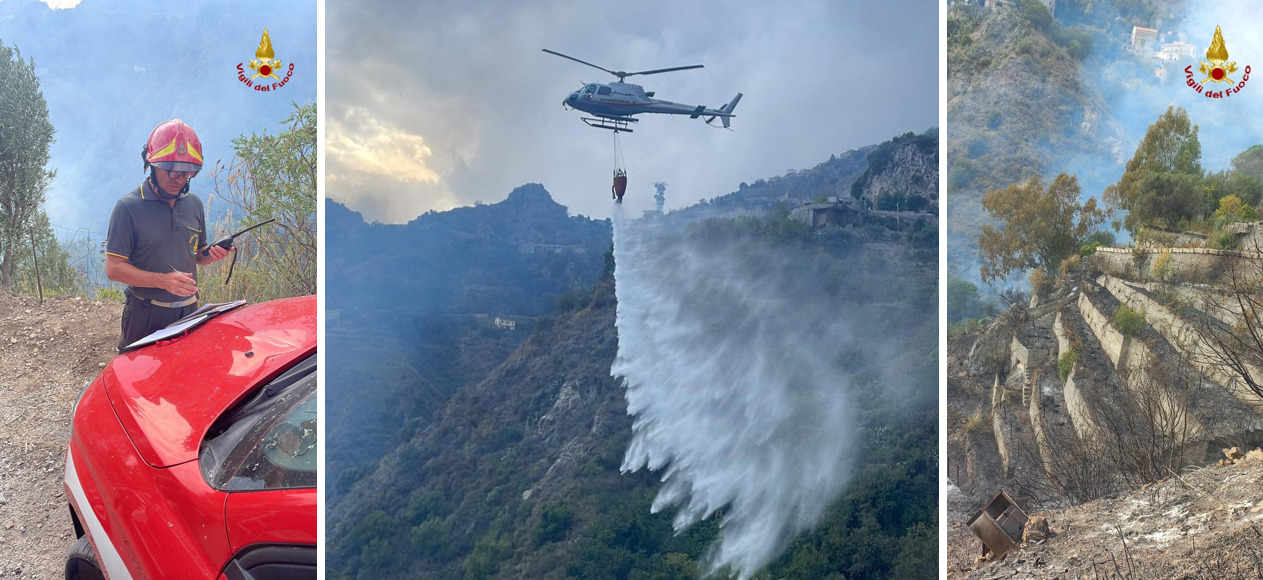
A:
{"x": 199, "y": 316}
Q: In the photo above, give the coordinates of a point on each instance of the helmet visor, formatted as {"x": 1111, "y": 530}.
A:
{"x": 192, "y": 168}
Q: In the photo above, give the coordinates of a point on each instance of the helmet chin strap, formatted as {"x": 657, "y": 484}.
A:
{"x": 153, "y": 178}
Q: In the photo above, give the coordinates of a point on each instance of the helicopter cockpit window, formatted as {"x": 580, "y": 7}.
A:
{"x": 589, "y": 89}
{"x": 603, "y": 91}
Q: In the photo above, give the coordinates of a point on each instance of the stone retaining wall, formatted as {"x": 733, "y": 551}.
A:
{"x": 1076, "y": 407}
{"x": 1113, "y": 342}
{"x": 1185, "y": 264}
{"x": 1183, "y": 337}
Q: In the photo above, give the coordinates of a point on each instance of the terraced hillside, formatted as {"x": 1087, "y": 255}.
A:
{"x": 1122, "y": 376}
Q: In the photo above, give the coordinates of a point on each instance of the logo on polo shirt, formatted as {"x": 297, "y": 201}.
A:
{"x": 264, "y": 66}
{"x": 193, "y": 239}
{"x": 1218, "y": 70}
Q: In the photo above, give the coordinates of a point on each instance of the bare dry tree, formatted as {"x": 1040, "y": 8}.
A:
{"x": 1152, "y": 437}
{"x": 1075, "y": 471}
{"x": 1145, "y": 439}
{"x": 1227, "y": 321}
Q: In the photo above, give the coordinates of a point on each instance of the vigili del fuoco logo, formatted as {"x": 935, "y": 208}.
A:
{"x": 1218, "y": 70}
{"x": 264, "y": 66}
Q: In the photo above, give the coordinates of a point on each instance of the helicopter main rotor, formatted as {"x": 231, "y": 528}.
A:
{"x": 623, "y": 74}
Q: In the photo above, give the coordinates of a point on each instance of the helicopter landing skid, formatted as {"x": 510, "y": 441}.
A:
{"x": 615, "y": 125}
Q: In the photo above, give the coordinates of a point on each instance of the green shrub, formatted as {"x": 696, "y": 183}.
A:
{"x": 1025, "y": 47}
{"x": 109, "y": 295}
{"x": 1065, "y": 364}
{"x": 554, "y": 521}
{"x": 1223, "y": 241}
{"x": 573, "y": 300}
{"x": 1128, "y": 321}
{"x": 432, "y": 539}
{"x": 486, "y": 558}
{"x": 994, "y": 120}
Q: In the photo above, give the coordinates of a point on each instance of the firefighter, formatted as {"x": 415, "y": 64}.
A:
{"x": 156, "y": 235}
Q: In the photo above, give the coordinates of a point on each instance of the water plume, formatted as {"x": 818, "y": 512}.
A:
{"x": 729, "y": 357}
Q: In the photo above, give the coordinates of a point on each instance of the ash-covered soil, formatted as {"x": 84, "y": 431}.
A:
{"x": 1207, "y": 523}
{"x": 47, "y": 353}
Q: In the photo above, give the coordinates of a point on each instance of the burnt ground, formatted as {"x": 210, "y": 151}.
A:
{"x": 46, "y": 355}
{"x": 1207, "y": 523}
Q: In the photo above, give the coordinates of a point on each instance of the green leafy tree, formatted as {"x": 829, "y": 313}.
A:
{"x": 1162, "y": 175}
{"x": 1042, "y": 227}
{"x": 1231, "y": 210}
{"x": 554, "y": 521}
{"x": 1246, "y": 187}
{"x": 1168, "y": 198}
{"x": 1249, "y": 162}
{"x": 1037, "y": 14}
{"x": 271, "y": 177}
{"x": 963, "y": 301}
{"x": 25, "y": 137}
{"x": 371, "y": 539}
{"x": 1220, "y": 184}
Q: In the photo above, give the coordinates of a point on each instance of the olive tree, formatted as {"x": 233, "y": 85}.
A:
{"x": 25, "y": 137}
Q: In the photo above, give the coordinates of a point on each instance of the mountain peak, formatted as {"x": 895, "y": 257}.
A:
{"x": 531, "y": 194}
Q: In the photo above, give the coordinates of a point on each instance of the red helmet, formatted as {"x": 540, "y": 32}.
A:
{"x": 173, "y": 146}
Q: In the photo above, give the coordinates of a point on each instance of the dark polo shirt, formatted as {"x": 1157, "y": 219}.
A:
{"x": 154, "y": 237}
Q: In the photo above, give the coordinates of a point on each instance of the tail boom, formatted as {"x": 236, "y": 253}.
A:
{"x": 725, "y": 112}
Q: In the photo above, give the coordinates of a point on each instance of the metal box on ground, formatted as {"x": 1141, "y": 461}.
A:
{"x": 998, "y": 524}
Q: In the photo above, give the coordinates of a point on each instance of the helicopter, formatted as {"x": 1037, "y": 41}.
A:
{"x": 614, "y": 104}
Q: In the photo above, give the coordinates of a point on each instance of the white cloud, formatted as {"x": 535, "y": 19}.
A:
{"x": 61, "y": 4}
{"x": 488, "y": 101}
{"x": 385, "y": 172}
{"x": 364, "y": 144}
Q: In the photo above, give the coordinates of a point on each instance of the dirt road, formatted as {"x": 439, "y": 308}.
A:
{"x": 46, "y": 355}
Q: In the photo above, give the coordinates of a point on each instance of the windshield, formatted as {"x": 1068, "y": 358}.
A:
{"x": 269, "y": 440}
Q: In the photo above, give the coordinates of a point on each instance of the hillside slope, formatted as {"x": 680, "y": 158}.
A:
{"x": 518, "y": 475}
{"x": 412, "y": 310}
{"x": 515, "y": 473}
{"x": 906, "y": 164}
{"x": 1017, "y": 104}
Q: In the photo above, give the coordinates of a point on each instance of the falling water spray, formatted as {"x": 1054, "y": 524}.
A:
{"x": 728, "y": 355}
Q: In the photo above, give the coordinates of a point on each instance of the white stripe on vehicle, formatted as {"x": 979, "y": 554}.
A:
{"x": 106, "y": 554}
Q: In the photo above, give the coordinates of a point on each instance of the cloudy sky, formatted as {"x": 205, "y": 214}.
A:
{"x": 437, "y": 104}
{"x": 111, "y": 70}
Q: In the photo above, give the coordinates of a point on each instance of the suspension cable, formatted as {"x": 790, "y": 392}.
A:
{"x": 619, "y": 163}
